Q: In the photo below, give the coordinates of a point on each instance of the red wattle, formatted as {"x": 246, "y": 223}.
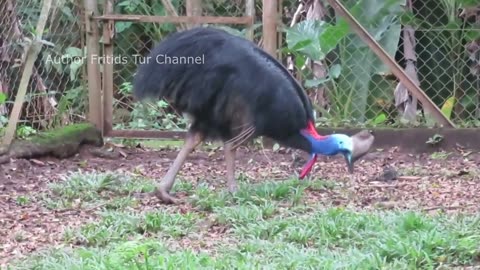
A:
{"x": 313, "y": 132}
{"x": 308, "y": 167}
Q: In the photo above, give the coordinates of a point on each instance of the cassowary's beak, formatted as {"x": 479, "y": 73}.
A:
{"x": 362, "y": 141}
{"x": 348, "y": 159}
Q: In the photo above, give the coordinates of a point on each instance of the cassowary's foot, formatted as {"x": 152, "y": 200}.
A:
{"x": 164, "y": 197}
{"x": 162, "y": 191}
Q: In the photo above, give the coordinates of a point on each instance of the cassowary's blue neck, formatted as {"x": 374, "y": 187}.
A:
{"x": 326, "y": 145}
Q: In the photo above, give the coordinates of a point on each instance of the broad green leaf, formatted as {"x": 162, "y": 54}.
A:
{"x": 302, "y": 44}
{"x": 300, "y": 60}
{"x": 382, "y": 117}
{"x": 121, "y": 26}
{"x": 447, "y": 107}
{"x": 316, "y": 38}
{"x": 472, "y": 34}
{"x": 332, "y": 35}
{"x": 74, "y": 67}
{"x": 306, "y": 33}
{"x": 3, "y": 98}
{"x": 72, "y": 53}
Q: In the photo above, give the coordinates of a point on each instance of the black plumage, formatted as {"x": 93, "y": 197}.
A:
{"x": 236, "y": 92}
{"x": 236, "y": 87}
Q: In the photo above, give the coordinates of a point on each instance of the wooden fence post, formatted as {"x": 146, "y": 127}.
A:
{"x": 108, "y": 37}
{"x": 95, "y": 112}
{"x": 194, "y": 8}
{"x": 269, "y": 18}
{"x": 250, "y": 11}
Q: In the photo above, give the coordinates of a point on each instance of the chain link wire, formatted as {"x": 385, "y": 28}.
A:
{"x": 134, "y": 40}
{"x": 55, "y": 95}
{"x": 435, "y": 41}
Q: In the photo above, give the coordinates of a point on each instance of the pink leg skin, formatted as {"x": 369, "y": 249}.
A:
{"x": 163, "y": 190}
{"x": 230, "y": 163}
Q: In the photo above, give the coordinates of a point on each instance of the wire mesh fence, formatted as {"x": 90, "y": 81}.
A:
{"x": 55, "y": 94}
{"x": 435, "y": 42}
{"x": 134, "y": 40}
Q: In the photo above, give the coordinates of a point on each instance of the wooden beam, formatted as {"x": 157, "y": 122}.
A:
{"x": 95, "y": 114}
{"x": 411, "y": 140}
{"x": 176, "y": 19}
{"x": 145, "y": 134}
{"x": 390, "y": 62}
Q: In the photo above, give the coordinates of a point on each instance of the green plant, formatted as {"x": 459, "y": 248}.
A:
{"x": 351, "y": 64}
{"x": 149, "y": 114}
{"x": 435, "y": 139}
{"x": 25, "y": 131}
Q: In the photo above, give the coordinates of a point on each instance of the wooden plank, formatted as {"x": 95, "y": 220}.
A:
{"x": 269, "y": 18}
{"x": 145, "y": 134}
{"x": 31, "y": 55}
{"x": 108, "y": 37}
{"x": 413, "y": 140}
{"x": 410, "y": 140}
{"x": 95, "y": 112}
{"x": 177, "y": 19}
{"x": 392, "y": 64}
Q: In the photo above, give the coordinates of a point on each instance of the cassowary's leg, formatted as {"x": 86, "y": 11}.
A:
{"x": 162, "y": 192}
{"x": 230, "y": 162}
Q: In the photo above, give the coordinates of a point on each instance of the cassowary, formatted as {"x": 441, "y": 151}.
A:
{"x": 233, "y": 91}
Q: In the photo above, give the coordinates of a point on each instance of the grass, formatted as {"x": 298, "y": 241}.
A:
{"x": 272, "y": 225}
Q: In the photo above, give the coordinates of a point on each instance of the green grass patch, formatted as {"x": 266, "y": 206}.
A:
{"x": 332, "y": 238}
{"x": 265, "y": 226}
{"x": 90, "y": 189}
{"x": 115, "y": 226}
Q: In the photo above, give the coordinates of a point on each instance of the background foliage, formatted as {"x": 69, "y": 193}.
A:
{"x": 350, "y": 86}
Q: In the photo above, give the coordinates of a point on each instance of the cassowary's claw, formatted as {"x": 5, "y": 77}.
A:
{"x": 164, "y": 197}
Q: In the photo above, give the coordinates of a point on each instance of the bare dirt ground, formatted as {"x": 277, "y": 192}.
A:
{"x": 383, "y": 180}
